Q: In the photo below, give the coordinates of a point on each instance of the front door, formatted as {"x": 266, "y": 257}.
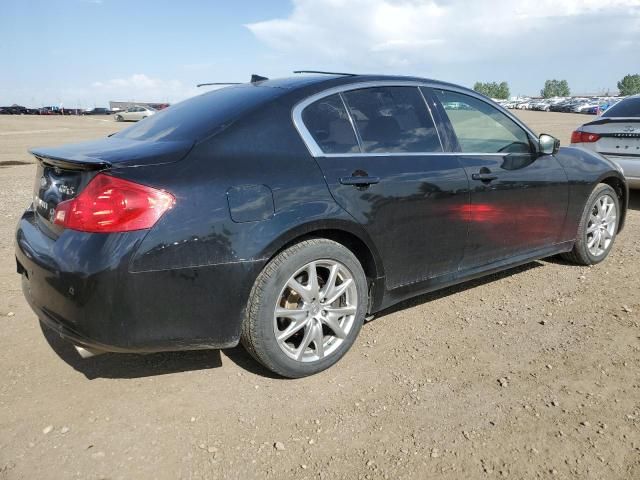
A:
{"x": 392, "y": 176}
{"x": 519, "y": 198}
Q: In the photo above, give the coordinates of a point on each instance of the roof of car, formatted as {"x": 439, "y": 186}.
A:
{"x": 299, "y": 81}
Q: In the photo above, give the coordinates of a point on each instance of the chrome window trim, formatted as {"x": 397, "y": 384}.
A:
{"x": 433, "y": 120}
{"x": 351, "y": 121}
{"x": 316, "y": 151}
{"x": 413, "y": 154}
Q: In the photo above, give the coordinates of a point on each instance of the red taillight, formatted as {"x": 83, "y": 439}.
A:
{"x": 109, "y": 204}
{"x": 584, "y": 137}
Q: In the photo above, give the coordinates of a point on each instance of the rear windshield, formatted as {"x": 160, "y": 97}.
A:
{"x": 629, "y": 107}
{"x": 198, "y": 117}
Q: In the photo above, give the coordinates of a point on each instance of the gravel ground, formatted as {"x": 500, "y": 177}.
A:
{"x": 531, "y": 373}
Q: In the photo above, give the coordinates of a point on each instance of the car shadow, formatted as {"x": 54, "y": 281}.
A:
{"x": 126, "y": 366}
{"x": 634, "y": 200}
{"x": 129, "y": 365}
{"x": 445, "y": 292}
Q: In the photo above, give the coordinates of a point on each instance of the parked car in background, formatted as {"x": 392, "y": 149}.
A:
{"x": 580, "y": 107}
{"x": 281, "y": 213}
{"x": 523, "y": 104}
{"x": 615, "y": 135}
{"x": 14, "y": 110}
{"x": 49, "y": 110}
{"x": 134, "y": 114}
{"x": 97, "y": 111}
{"x": 537, "y": 105}
{"x": 72, "y": 111}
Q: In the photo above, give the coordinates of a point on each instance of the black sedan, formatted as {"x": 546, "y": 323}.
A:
{"x": 280, "y": 213}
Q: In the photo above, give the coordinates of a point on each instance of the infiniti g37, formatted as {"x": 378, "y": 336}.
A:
{"x": 280, "y": 213}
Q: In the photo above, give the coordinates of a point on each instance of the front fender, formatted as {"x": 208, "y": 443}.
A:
{"x": 585, "y": 169}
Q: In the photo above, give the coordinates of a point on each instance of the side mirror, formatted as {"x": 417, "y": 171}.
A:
{"x": 548, "y": 145}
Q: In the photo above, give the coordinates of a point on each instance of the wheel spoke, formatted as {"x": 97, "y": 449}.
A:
{"x": 304, "y": 292}
{"x": 334, "y": 325}
{"x": 592, "y": 228}
{"x": 604, "y": 205}
{"x": 313, "y": 280}
{"x": 292, "y": 313}
{"x": 318, "y": 341}
{"x": 339, "y": 312}
{"x": 594, "y": 239}
{"x": 336, "y": 292}
{"x": 611, "y": 212}
{"x": 331, "y": 281}
{"x": 292, "y": 328}
{"x": 603, "y": 240}
{"x": 306, "y": 340}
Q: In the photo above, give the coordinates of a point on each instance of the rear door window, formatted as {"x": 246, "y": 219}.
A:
{"x": 329, "y": 125}
{"x": 481, "y": 128}
{"x": 392, "y": 120}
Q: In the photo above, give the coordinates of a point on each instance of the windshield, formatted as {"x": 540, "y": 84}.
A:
{"x": 629, "y": 107}
{"x": 198, "y": 117}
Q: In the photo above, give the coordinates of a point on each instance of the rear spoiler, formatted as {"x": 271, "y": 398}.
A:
{"x": 87, "y": 163}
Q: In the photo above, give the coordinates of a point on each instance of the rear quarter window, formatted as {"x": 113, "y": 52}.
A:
{"x": 329, "y": 125}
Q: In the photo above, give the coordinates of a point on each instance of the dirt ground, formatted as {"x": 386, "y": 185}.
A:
{"x": 532, "y": 373}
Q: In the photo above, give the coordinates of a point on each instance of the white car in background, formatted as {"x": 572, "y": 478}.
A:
{"x": 616, "y": 135}
{"x": 135, "y": 113}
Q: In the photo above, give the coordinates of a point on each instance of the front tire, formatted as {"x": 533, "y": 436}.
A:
{"x": 119, "y": 118}
{"x": 306, "y": 308}
{"x": 597, "y": 228}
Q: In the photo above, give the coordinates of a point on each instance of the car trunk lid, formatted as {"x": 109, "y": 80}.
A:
{"x": 63, "y": 172}
{"x": 620, "y": 138}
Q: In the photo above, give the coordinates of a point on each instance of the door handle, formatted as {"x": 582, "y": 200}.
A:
{"x": 359, "y": 181}
{"x": 484, "y": 176}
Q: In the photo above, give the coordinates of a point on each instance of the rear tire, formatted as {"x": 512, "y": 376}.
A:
{"x": 598, "y": 227}
{"x": 306, "y": 308}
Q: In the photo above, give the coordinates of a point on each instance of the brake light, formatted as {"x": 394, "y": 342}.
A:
{"x": 109, "y": 204}
{"x": 584, "y": 137}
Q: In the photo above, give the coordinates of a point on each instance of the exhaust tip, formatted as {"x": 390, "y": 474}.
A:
{"x": 86, "y": 352}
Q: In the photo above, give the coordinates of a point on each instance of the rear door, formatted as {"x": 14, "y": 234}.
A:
{"x": 518, "y": 198}
{"x": 384, "y": 164}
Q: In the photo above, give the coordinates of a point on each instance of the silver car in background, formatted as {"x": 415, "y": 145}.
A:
{"x": 135, "y": 113}
{"x": 616, "y": 135}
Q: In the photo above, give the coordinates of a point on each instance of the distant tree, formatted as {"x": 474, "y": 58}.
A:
{"x": 503, "y": 91}
{"x": 629, "y": 85}
{"x": 555, "y": 88}
{"x": 493, "y": 89}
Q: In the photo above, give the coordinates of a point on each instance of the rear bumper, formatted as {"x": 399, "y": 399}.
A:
{"x": 80, "y": 286}
{"x": 630, "y": 166}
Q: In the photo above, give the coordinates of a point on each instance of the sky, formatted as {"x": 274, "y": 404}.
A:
{"x": 83, "y": 53}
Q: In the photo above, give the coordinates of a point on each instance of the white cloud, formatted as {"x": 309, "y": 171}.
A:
{"x": 422, "y": 36}
{"x": 141, "y": 87}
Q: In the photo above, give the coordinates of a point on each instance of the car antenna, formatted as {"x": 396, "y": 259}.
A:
{"x": 322, "y": 72}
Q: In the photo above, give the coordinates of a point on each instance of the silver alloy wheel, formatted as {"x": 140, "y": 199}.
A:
{"x": 316, "y": 310}
{"x": 602, "y": 225}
